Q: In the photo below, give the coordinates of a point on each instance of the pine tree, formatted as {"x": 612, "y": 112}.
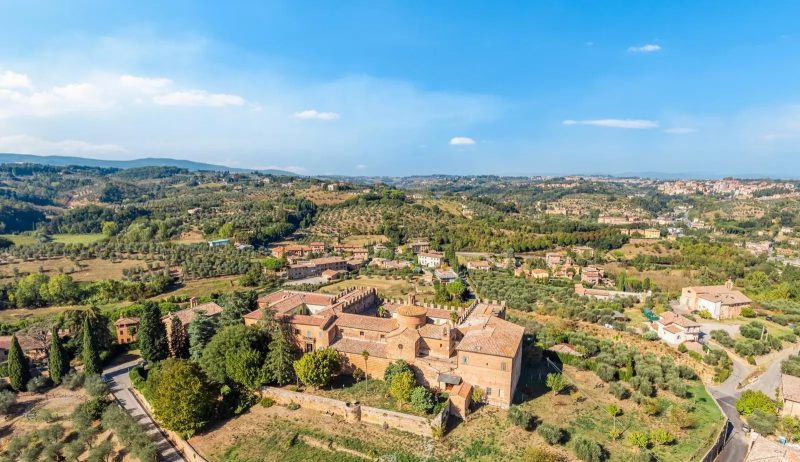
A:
{"x": 178, "y": 343}
{"x": 152, "y": 335}
{"x": 58, "y": 364}
{"x": 280, "y": 357}
{"x": 90, "y": 354}
{"x": 18, "y": 369}
{"x": 201, "y": 329}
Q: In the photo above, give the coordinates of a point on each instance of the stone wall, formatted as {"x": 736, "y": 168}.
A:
{"x": 353, "y": 412}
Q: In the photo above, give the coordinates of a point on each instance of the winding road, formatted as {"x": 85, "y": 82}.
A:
{"x": 120, "y": 385}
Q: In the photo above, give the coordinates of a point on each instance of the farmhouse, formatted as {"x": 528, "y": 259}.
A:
{"x": 315, "y": 267}
{"x": 291, "y": 251}
{"x": 765, "y": 450}
{"x": 445, "y": 276}
{"x": 674, "y": 328}
{"x": 722, "y": 302}
{"x": 126, "y": 328}
{"x": 419, "y": 245}
{"x": 472, "y": 347}
{"x": 592, "y": 274}
{"x": 389, "y": 264}
{"x": 479, "y": 265}
{"x": 317, "y": 247}
{"x": 219, "y": 242}
{"x": 430, "y": 259}
{"x": 34, "y": 348}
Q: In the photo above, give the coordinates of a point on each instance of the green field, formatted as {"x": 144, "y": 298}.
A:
{"x": 24, "y": 239}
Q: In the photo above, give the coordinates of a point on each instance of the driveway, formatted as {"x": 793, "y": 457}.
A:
{"x": 120, "y": 385}
{"x": 726, "y": 395}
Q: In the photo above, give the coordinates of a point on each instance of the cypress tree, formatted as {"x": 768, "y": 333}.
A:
{"x": 18, "y": 369}
{"x": 280, "y": 357}
{"x": 178, "y": 343}
{"x": 59, "y": 365}
{"x": 89, "y": 354}
{"x": 152, "y": 335}
{"x": 201, "y": 329}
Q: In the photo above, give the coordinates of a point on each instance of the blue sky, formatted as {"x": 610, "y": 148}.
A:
{"x": 399, "y": 88}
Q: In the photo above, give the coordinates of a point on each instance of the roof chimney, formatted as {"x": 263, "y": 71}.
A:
{"x": 729, "y": 284}
{"x": 412, "y": 298}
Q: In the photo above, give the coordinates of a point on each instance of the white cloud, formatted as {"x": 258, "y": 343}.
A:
{"x": 11, "y": 79}
{"x": 144, "y": 84}
{"x": 615, "y": 123}
{"x": 57, "y": 100}
{"x": 648, "y": 48}
{"x": 361, "y": 167}
{"x": 680, "y": 130}
{"x": 461, "y": 141}
{"x": 313, "y": 114}
{"x": 26, "y": 144}
{"x": 197, "y": 98}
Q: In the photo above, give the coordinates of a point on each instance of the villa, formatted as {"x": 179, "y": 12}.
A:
{"x": 448, "y": 349}
{"x": 721, "y": 302}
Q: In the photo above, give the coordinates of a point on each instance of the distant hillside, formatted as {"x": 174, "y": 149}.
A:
{"x": 146, "y": 162}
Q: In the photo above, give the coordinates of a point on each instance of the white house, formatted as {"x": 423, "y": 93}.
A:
{"x": 430, "y": 259}
{"x": 674, "y": 328}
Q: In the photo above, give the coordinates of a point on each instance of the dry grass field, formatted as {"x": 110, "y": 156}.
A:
{"x": 667, "y": 280}
{"x": 88, "y": 270}
{"x": 645, "y": 247}
{"x": 321, "y": 196}
{"x": 362, "y": 239}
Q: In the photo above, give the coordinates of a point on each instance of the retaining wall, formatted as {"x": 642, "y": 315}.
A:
{"x": 354, "y": 412}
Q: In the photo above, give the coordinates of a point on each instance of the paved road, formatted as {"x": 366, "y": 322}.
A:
{"x": 771, "y": 378}
{"x": 120, "y": 385}
{"x": 726, "y": 394}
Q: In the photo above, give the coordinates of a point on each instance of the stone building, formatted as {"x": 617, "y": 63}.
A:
{"x": 464, "y": 348}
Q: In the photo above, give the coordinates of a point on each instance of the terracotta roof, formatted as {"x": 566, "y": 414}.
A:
{"x": 720, "y": 294}
{"x": 186, "y": 316}
{"x": 672, "y": 328}
{"x": 431, "y": 254}
{"x": 349, "y": 345}
{"x": 565, "y": 348}
{"x": 255, "y": 314}
{"x": 764, "y": 450}
{"x": 306, "y": 320}
{"x": 670, "y": 317}
{"x": 433, "y": 331}
{"x": 26, "y": 342}
{"x": 439, "y": 313}
{"x": 126, "y": 321}
{"x": 372, "y": 323}
{"x": 463, "y": 389}
{"x": 497, "y": 337}
{"x": 790, "y": 386}
{"x": 411, "y": 310}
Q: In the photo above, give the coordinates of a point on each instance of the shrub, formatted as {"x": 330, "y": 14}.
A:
{"x": 550, "y": 433}
{"x": 678, "y": 388}
{"x": 543, "y": 455}
{"x": 95, "y": 386}
{"x": 613, "y": 410}
{"x": 680, "y": 417}
{"x": 520, "y": 417}
{"x": 588, "y": 450}
{"x": 402, "y": 385}
{"x": 7, "y": 400}
{"x": 138, "y": 376}
{"x": 763, "y": 422}
{"x": 421, "y": 399}
{"x": 292, "y": 406}
{"x": 644, "y": 456}
{"x": 478, "y": 395}
{"x": 791, "y": 365}
{"x": 661, "y": 437}
{"x": 638, "y": 439}
{"x": 38, "y": 384}
{"x": 686, "y": 372}
{"x": 751, "y": 400}
{"x": 650, "y": 335}
{"x": 267, "y": 402}
{"x": 73, "y": 380}
{"x": 704, "y": 314}
{"x": 395, "y": 368}
{"x": 606, "y": 372}
{"x": 682, "y": 348}
{"x": 619, "y": 391}
{"x": 695, "y": 355}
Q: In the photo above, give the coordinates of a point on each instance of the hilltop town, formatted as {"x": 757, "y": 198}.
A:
{"x": 249, "y": 316}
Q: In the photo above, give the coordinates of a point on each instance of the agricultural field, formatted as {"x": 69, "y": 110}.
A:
{"x": 321, "y": 196}
{"x": 363, "y": 239}
{"x": 668, "y": 280}
{"x": 83, "y": 271}
{"x": 387, "y": 287}
{"x": 650, "y": 247}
